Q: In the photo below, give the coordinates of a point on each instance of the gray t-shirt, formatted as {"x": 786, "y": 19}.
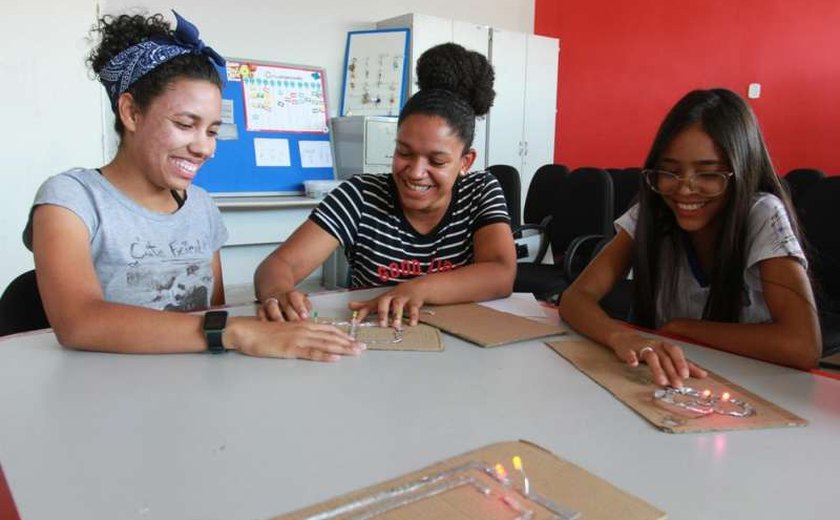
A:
{"x": 769, "y": 235}
{"x": 156, "y": 260}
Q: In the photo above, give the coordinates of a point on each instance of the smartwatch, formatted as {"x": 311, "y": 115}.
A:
{"x": 214, "y": 327}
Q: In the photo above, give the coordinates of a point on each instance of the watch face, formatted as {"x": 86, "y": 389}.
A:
{"x": 215, "y": 320}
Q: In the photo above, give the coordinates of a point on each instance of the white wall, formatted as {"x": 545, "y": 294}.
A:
{"x": 53, "y": 112}
{"x": 50, "y": 110}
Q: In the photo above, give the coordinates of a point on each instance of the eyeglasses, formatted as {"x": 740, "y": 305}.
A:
{"x": 709, "y": 184}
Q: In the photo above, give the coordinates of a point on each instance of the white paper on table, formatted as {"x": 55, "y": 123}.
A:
{"x": 525, "y": 305}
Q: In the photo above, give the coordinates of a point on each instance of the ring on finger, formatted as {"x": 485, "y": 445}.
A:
{"x": 271, "y": 299}
{"x": 643, "y": 351}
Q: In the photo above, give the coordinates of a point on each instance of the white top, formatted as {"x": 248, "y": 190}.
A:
{"x": 200, "y": 436}
{"x": 769, "y": 235}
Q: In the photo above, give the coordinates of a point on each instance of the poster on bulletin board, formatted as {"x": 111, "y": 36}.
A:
{"x": 274, "y": 133}
{"x": 375, "y": 72}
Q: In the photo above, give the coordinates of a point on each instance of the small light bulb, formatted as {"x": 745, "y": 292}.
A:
{"x": 707, "y": 393}
{"x": 501, "y": 472}
{"x": 725, "y": 396}
{"x": 517, "y": 463}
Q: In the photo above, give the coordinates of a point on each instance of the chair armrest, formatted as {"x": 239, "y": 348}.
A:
{"x": 541, "y": 227}
{"x": 542, "y": 231}
{"x": 526, "y": 227}
{"x": 580, "y": 252}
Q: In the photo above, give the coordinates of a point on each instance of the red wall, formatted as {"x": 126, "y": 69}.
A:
{"x": 624, "y": 64}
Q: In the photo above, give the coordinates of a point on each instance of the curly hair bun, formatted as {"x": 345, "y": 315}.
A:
{"x": 467, "y": 73}
{"x": 120, "y": 32}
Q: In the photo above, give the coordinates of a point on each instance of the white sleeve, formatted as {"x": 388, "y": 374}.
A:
{"x": 628, "y": 221}
{"x": 770, "y": 234}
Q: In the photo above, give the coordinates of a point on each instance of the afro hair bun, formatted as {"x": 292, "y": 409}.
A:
{"x": 467, "y": 73}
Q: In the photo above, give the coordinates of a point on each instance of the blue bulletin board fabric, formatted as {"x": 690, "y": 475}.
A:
{"x": 275, "y": 131}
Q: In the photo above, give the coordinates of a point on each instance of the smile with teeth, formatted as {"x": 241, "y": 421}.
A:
{"x": 690, "y": 206}
{"x": 186, "y": 166}
{"x": 416, "y": 187}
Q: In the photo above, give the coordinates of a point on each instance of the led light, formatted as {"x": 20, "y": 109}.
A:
{"x": 354, "y": 325}
{"x": 704, "y": 402}
{"x": 526, "y": 485}
{"x": 501, "y": 472}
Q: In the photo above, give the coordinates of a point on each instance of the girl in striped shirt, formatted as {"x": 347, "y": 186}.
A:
{"x": 433, "y": 230}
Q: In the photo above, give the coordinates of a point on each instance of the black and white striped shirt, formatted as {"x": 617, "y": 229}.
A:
{"x": 365, "y": 216}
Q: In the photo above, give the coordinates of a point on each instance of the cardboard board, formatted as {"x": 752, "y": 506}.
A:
{"x": 635, "y": 387}
{"x": 486, "y": 327}
{"x": 571, "y": 488}
{"x": 419, "y": 338}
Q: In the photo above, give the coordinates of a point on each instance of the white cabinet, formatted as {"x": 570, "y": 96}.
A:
{"x": 521, "y": 124}
{"x": 519, "y": 129}
{"x": 428, "y": 31}
{"x": 507, "y": 117}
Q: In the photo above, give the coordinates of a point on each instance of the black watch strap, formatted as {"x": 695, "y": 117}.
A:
{"x": 214, "y": 327}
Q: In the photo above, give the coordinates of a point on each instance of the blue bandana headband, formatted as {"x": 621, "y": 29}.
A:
{"x": 124, "y": 69}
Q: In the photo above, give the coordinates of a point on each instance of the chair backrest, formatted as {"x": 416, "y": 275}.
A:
{"x": 508, "y": 177}
{"x": 800, "y": 182}
{"x": 20, "y": 306}
{"x": 583, "y": 207}
{"x": 546, "y": 183}
{"x": 625, "y": 188}
{"x": 820, "y": 213}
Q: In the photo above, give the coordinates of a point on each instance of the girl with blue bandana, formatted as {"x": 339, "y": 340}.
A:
{"x": 116, "y": 245}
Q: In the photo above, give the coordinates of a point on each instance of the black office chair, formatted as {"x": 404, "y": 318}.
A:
{"x": 508, "y": 177}
{"x": 799, "y": 183}
{"x": 626, "y": 184}
{"x": 538, "y": 200}
{"x": 20, "y": 306}
{"x": 819, "y": 217}
{"x": 532, "y": 236}
{"x": 581, "y": 222}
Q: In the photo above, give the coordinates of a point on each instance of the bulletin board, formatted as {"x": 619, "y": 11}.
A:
{"x": 375, "y": 72}
{"x": 274, "y": 133}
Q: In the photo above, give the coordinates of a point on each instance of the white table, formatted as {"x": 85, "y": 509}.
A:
{"x": 107, "y": 436}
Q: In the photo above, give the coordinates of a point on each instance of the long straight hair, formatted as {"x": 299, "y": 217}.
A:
{"x": 732, "y": 125}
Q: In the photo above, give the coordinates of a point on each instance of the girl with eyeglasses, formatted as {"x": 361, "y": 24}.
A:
{"x": 713, "y": 246}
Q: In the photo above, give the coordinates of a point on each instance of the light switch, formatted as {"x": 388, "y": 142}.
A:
{"x": 754, "y": 91}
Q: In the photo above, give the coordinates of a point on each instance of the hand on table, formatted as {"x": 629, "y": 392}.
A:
{"x": 298, "y": 339}
{"x": 290, "y": 306}
{"x": 667, "y": 362}
{"x": 405, "y": 299}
